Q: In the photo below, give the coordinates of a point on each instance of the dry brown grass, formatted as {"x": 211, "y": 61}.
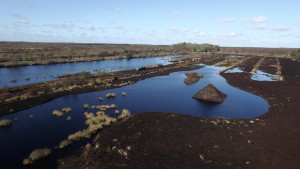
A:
{"x": 5, "y": 123}
{"x": 37, "y": 154}
{"x": 57, "y": 113}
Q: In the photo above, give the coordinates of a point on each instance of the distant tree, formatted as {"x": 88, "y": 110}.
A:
{"x": 193, "y": 47}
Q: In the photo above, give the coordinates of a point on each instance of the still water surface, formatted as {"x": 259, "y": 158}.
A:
{"x": 41, "y": 73}
{"x": 164, "y": 93}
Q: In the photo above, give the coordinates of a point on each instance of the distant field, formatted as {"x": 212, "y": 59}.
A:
{"x": 24, "y": 53}
{"x": 18, "y": 54}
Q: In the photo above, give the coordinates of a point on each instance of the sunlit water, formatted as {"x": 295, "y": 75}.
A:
{"x": 164, "y": 93}
{"x": 40, "y": 73}
{"x": 257, "y": 76}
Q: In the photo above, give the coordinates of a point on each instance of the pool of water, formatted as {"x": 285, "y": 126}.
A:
{"x": 15, "y": 76}
{"x": 263, "y": 76}
{"x": 164, "y": 93}
{"x": 258, "y": 75}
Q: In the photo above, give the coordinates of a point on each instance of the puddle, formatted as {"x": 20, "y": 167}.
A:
{"x": 263, "y": 76}
{"x": 234, "y": 70}
{"x": 258, "y": 75}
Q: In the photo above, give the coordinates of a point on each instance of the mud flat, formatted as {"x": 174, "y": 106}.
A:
{"x": 166, "y": 140}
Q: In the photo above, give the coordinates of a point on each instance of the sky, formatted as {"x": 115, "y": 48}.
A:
{"x": 236, "y": 23}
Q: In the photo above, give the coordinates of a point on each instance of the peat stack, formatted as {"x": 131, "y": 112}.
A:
{"x": 211, "y": 94}
{"x": 192, "y": 78}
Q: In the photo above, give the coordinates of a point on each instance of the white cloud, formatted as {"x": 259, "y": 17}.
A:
{"x": 175, "y": 14}
{"x": 281, "y": 28}
{"x": 229, "y": 35}
{"x": 88, "y": 27}
{"x": 119, "y": 27}
{"x": 20, "y": 16}
{"x": 115, "y": 9}
{"x": 68, "y": 25}
{"x": 258, "y": 19}
{"x": 199, "y": 33}
{"x": 173, "y": 29}
{"x": 225, "y": 20}
{"x": 260, "y": 27}
{"x": 24, "y": 21}
{"x": 56, "y": 26}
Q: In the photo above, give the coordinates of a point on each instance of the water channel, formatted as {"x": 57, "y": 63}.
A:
{"x": 15, "y": 76}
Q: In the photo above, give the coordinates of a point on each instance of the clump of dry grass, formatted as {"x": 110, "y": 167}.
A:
{"x": 79, "y": 135}
{"x": 5, "y": 123}
{"x": 36, "y": 155}
{"x": 94, "y": 123}
{"x": 117, "y": 111}
{"x": 110, "y": 95}
{"x": 100, "y": 98}
{"x": 57, "y": 113}
{"x": 123, "y": 93}
{"x": 64, "y": 144}
{"x": 86, "y": 106}
{"x": 125, "y": 113}
{"x": 112, "y": 106}
{"x": 66, "y": 110}
{"x": 69, "y": 118}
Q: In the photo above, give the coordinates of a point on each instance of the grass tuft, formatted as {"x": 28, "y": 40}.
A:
{"x": 64, "y": 144}
{"x": 125, "y": 113}
{"x": 86, "y": 106}
{"x": 5, "y": 123}
{"x": 69, "y": 118}
{"x": 66, "y": 110}
{"x": 57, "y": 113}
{"x": 37, "y": 154}
{"x": 110, "y": 95}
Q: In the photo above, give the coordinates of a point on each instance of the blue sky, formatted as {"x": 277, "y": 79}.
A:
{"x": 255, "y": 23}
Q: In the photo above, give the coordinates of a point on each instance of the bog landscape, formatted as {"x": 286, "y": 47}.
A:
{"x": 148, "y": 97}
{"x": 113, "y": 106}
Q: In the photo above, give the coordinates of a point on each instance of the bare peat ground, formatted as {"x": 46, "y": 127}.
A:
{"x": 164, "y": 140}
